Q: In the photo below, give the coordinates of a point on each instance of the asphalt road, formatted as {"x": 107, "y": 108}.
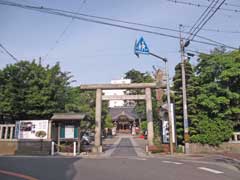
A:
{"x": 124, "y": 149}
{"x": 123, "y": 164}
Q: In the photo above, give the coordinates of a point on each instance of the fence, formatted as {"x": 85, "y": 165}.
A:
{"x": 7, "y": 131}
{"x": 235, "y": 138}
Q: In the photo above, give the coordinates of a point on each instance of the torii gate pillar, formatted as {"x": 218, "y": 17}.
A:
{"x": 149, "y": 116}
{"x": 98, "y": 144}
{"x": 148, "y": 97}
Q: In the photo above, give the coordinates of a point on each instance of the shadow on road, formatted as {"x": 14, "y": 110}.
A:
{"x": 228, "y": 161}
{"x": 42, "y": 168}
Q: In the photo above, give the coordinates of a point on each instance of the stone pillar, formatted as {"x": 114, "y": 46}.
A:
{"x": 58, "y": 137}
{"x": 1, "y": 131}
{"x": 98, "y": 112}
{"x": 11, "y": 132}
{"x": 49, "y": 129}
{"x": 6, "y": 132}
{"x": 149, "y": 116}
{"x": 235, "y": 138}
{"x": 79, "y": 138}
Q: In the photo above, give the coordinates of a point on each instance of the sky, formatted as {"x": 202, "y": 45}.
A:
{"x": 96, "y": 53}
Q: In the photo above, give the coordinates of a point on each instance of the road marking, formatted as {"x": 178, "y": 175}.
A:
{"x": 112, "y": 148}
{"x": 172, "y": 162}
{"x": 129, "y": 157}
{"x": 137, "y": 148}
{"x": 210, "y": 170}
{"x": 17, "y": 175}
{"x": 140, "y": 159}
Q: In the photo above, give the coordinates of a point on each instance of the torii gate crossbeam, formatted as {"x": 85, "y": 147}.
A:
{"x": 99, "y": 87}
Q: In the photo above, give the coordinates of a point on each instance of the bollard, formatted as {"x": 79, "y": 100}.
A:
{"x": 52, "y": 149}
{"x": 74, "y": 148}
{"x": 146, "y": 148}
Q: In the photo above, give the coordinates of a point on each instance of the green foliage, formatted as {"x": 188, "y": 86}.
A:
{"x": 29, "y": 90}
{"x": 219, "y": 80}
{"x": 212, "y": 132}
{"x": 108, "y": 121}
{"x": 144, "y": 126}
{"x": 213, "y": 97}
{"x": 139, "y": 77}
{"x": 180, "y": 149}
{"x": 190, "y": 88}
{"x": 80, "y": 101}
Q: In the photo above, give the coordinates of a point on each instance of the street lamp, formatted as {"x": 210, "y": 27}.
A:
{"x": 142, "y": 48}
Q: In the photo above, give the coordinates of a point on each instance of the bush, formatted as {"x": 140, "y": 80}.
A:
{"x": 213, "y": 132}
{"x": 144, "y": 126}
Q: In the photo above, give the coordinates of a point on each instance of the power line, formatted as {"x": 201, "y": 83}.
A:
{"x": 193, "y": 27}
{"x": 205, "y": 22}
{"x": 146, "y": 25}
{"x": 201, "y": 5}
{"x": 201, "y": 19}
{"x": 10, "y": 54}
{"x": 59, "y": 12}
{"x": 217, "y": 30}
{"x": 194, "y": 51}
{"x": 122, "y": 21}
{"x": 228, "y": 4}
{"x": 63, "y": 32}
{"x": 139, "y": 24}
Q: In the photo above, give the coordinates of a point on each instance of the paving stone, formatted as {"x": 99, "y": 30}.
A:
{"x": 124, "y": 148}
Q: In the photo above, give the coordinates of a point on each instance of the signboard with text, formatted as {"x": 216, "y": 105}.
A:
{"x": 69, "y": 132}
{"x": 31, "y": 129}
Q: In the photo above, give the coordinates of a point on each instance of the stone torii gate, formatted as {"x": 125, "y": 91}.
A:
{"x": 99, "y": 97}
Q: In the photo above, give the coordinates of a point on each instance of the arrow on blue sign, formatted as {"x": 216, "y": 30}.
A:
{"x": 141, "y": 47}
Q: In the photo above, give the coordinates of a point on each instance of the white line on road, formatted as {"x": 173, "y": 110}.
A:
{"x": 109, "y": 152}
{"x": 129, "y": 157}
{"x": 172, "y": 162}
{"x": 210, "y": 170}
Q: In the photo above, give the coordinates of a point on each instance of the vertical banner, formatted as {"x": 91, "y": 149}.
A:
{"x": 165, "y": 127}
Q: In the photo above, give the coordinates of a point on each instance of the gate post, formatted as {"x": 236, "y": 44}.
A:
{"x": 150, "y": 134}
{"x": 49, "y": 130}
{"x": 97, "y": 143}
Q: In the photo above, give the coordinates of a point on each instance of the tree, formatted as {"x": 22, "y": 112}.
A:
{"x": 139, "y": 77}
{"x": 108, "y": 121}
{"x": 190, "y": 89}
{"x": 218, "y": 108}
{"x": 29, "y": 90}
{"x": 80, "y": 101}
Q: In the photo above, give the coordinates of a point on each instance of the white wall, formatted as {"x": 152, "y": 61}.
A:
{"x": 117, "y": 103}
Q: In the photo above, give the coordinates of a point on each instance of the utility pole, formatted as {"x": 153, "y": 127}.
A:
{"x": 169, "y": 109}
{"x": 184, "y": 94}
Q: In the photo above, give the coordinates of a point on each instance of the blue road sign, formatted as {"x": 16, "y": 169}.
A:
{"x": 141, "y": 47}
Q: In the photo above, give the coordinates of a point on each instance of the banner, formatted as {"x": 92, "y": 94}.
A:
{"x": 165, "y": 127}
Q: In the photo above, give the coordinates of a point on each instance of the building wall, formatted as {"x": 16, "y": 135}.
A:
{"x": 117, "y": 103}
